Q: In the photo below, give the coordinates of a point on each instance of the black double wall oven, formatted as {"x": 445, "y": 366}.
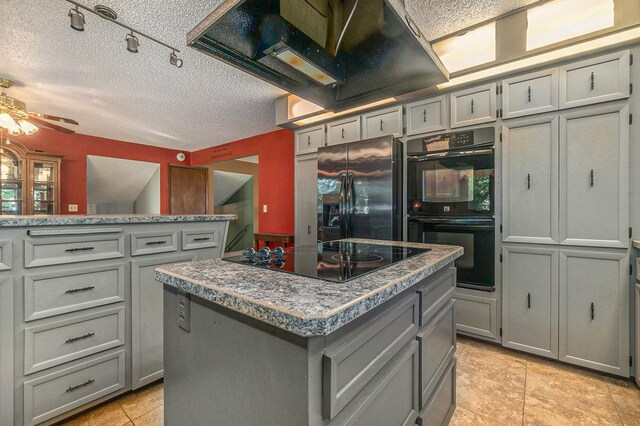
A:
{"x": 451, "y": 200}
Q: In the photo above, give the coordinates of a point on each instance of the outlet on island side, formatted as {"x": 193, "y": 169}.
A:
{"x": 73, "y": 207}
{"x": 184, "y": 315}
{"x": 264, "y": 208}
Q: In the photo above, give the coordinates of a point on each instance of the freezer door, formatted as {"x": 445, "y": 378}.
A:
{"x": 332, "y": 176}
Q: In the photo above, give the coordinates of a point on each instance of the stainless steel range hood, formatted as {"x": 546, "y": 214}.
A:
{"x": 336, "y": 53}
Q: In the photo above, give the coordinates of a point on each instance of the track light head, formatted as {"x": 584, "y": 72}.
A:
{"x": 77, "y": 19}
{"x": 174, "y": 60}
{"x": 132, "y": 43}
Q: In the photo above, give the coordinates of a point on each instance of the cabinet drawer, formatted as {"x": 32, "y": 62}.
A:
{"x": 347, "y": 130}
{"x": 601, "y": 79}
{"x": 194, "y": 240}
{"x": 57, "y": 393}
{"x": 52, "y": 294}
{"x": 437, "y": 347}
{"x": 436, "y": 293}
{"x": 309, "y": 140}
{"x": 350, "y": 364}
{"x": 442, "y": 404}
{"x": 382, "y": 123}
{"x": 44, "y": 251}
{"x": 5, "y": 255}
{"x": 54, "y": 343}
{"x": 473, "y": 106}
{"x": 530, "y": 94}
{"x": 427, "y": 116}
{"x": 154, "y": 242}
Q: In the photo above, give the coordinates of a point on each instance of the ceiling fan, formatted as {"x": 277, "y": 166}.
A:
{"x": 18, "y": 121}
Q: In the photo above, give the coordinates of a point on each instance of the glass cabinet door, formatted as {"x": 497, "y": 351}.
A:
{"x": 11, "y": 182}
{"x": 44, "y": 187}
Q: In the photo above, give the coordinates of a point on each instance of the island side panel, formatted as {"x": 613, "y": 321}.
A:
{"x": 230, "y": 369}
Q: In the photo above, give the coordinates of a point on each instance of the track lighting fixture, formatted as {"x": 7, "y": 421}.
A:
{"x": 77, "y": 19}
{"x": 108, "y": 14}
{"x": 132, "y": 43}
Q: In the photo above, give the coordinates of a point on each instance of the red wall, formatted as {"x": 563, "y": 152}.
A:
{"x": 275, "y": 174}
{"x": 75, "y": 148}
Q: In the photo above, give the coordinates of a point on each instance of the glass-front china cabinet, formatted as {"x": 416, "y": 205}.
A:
{"x": 30, "y": 181}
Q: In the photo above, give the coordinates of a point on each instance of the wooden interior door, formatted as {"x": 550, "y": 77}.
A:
{"x": 188, "y": 190}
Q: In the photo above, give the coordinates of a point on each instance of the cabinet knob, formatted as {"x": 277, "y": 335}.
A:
{"x": 528, "y": 180}
{"x": 472, "y": 106}
{"x": 342, "y": 131}
{"x": 381, "y": 125}
{"x": 593, "y": 81}
{"x": 424, "y": 115}
{"x": 528, "y": 300}
{"x": 529, "y": 94}
{"x": 308, "y": 140}
{"x": 308, "y": 229}
{"x": 593, "y": 311}
{"x": 591, "y": 176}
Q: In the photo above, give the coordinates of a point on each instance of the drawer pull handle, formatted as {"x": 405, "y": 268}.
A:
{"x": 155, "y": 243}
{"x": 78, "y": 290}
{"x": 424, "y": 115}
{"x": 593, "y": 81}
{"x": 593, "y": 311}
{"x": 308, "y": 229}
{"x": 471, "y": 106}
{"x": 73, "y": 250}
{"x": 528, "y": 180}
{"x": 381, "y": 125}
{"x": 202, "y": 239}
{"x": 84, "y": 336}
{"x": 591, "y": 177}
{"x": 81, "y": 385}
{"x": 528, "y": 300}
{"x": 529, "y": 94}
{"x": 309, "y": 140}
{"x": 342, "y": 132}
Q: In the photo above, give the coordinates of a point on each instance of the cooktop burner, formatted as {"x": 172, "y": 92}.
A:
{"x": 335, "y": 261}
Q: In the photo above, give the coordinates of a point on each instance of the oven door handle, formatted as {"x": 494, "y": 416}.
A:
{"x": 451, "y": 221}
{"x": 465, "y": 227}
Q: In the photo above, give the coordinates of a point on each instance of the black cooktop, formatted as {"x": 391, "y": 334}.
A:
{"x": 335, "y": 261}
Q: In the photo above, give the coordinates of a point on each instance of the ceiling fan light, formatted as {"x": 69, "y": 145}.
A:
{"x": 77, "y": 19}
{"x": 27, "y": 127}
{"x": 132, "y": 43}
{"x": 7, "y": 121}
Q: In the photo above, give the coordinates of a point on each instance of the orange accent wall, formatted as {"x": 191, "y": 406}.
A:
{"x": 275, "y": 174}
{"x": 76, "y": 147}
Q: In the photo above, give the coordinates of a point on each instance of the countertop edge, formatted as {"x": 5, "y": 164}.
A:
{"x": 635, "y": 243}
{"x": 70, "y": 220}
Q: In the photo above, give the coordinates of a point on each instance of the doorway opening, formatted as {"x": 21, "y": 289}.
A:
{"x": 117, "y": 186}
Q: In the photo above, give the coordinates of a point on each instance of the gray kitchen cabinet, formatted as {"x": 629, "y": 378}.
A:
{"x": 477, "y": 313}
{"x": 6, "y": 350}
{"x": 310, "y": 139}
{"x": 147, "y": 319}
{"x": 344, "y": 131}
{"x": 306, "y": 196}
{"x": 530, "y": 180}
{"x": 528, "y": 94}
{"x": 530, "y": 299}
{"x": 426, "y": 116}
{"x": 601, "y": 79}
{"x": 473, "y": 106}
{"x": 383, "y": 122}
{"x": 594, "y": 310}
{"x": 594, "y": 176}
{"x": 5, "y": 255}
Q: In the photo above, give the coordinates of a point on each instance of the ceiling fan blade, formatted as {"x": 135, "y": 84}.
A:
{"x": 53, "y": 117}
{"x": 51, "y": 125}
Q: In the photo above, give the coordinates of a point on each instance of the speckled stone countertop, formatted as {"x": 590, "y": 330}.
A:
{"x": 636, "y": 243}
{"x": 301, "y": 305}
{"x": 58, "y": 220}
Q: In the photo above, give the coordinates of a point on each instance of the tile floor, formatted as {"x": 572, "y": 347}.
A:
{"x": 495, "y": 387}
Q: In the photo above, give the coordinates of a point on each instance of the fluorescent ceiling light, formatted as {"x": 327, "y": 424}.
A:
{"x": 467, "y": 50}
{"x": 560, "y": 20}
{"x": 299, "y": 63}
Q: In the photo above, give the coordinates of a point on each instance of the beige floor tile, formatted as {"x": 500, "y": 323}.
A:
{"x": 495, "y": 364}
{"x": 489, "y": 398}
{"x": 463, "y": 417}
{"x": 110, "y": 414}
{"x": 626, "y": 396}
{"x": 143, "y": 401}
{"x": 152, "y": 418}
{"x": 570, "y": 387}
{"x": 547, "y": 412}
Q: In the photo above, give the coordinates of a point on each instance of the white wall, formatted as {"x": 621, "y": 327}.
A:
{"x": 148, "y": 201}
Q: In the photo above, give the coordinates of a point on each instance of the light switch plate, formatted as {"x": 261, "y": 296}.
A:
{"x": 184, "y": 311}
{"x": 264, "y": 208}
{"x": 73, "y": 207}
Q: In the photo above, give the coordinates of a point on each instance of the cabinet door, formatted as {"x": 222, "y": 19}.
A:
{"x": 594, "y": 177}
{"x": 382, "y": 123}
{"x": 306, "y": 200}
{"x": 309, "y": 140}
{"x": 343, "y": 131}
{"x": 594, "y": 310}
{"x": 530, "y": 180}
{"x": 530, "y": 94}
{"x": 530, "y": 300}
{"x": 6, "y": 351}
{"x": 147, "y": 318}
{"x": 427, "y": 116}
{"x": 473, "y": 106}
{"x": 600, "y": 79}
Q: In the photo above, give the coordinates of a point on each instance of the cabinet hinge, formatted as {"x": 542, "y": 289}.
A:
{"x": 500, "y": 257}
{"x": 500, "y": 331}
{"x": 501, "y": 89}
{"x": 501, "y": 228}
{"x": 630, "y": 361}
{"x": 630, "y": 119}
{"x": 630, "y": 232}
{"x": 631, "y": 59}
{"x": 500, "y": 137}
{"x": 631, "y": 269}
{"x": 498, "y": 89}
{"x": 631, "y": 88}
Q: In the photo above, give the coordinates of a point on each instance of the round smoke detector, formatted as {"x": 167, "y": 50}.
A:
{"x": 181, "y": 156}
{"x": 106, "y": 12}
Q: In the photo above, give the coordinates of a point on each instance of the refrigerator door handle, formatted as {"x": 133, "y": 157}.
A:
{"x": 341, "y": 205}
{"x": 348, "y": 209}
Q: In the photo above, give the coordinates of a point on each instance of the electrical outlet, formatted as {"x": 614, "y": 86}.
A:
{"x": 184, "y": 314}
{"x": 264, "y": 208}
{"x": 73, "y": 207}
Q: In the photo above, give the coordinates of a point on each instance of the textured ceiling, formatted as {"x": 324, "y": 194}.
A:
{"x": 90, "y": 76}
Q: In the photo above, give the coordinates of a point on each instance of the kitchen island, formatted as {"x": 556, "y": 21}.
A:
{"x": 248, "y": 345}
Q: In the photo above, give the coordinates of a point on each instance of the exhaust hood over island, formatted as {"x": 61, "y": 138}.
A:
{"x": 336, "y": 53}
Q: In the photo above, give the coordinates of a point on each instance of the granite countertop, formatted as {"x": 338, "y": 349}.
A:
{"x": 57, "y": 220}
{"x": 636, "y": 243}
{"x": 301, "y": 305}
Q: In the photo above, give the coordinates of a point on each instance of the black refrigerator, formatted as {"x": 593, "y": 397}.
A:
{"x": 360, "y": 190}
